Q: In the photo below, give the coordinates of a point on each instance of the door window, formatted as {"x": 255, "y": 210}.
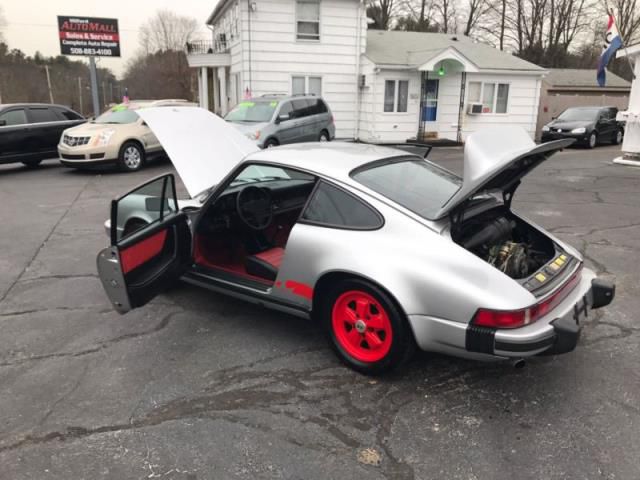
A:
{"x": 42, "y": 115}
{"x": 145, "y": 205}
{"x": 66, "y": 114}
{"x": 13, "y": 117}
{"x": 333, "y": 207}
{"x": 300, "y": 108}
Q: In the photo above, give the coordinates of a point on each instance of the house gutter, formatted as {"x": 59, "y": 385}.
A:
{"x": 356, "y": 128}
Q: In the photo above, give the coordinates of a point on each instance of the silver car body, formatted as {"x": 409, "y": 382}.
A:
{"x": 437, "y": 283}
{"x": 296, "y": 128}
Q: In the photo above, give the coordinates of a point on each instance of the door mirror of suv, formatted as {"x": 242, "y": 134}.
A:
{"x": 3, "y": 123}
{"x": 283, "y": 118}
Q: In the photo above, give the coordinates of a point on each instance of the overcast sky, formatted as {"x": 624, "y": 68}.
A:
{"x": 32, "y": 24}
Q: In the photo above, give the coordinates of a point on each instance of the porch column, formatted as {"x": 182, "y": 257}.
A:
{"x": 222, "y": 82}
{"x": 204, "y": 88}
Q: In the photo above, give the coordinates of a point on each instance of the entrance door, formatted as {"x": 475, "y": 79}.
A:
{"x": 430, "y": 100}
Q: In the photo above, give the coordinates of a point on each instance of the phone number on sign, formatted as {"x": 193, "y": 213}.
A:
{"x": 92, "y": 51}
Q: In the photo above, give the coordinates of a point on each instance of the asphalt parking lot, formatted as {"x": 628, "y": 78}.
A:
{"x": 200, "y": 386}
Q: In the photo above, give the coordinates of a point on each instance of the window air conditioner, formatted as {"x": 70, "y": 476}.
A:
{"x": 474, "y": 109}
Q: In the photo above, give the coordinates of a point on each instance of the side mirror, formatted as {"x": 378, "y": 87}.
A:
{"x": 3, "y": 123}
{"x": 283, "y": 118}
{"x": 553, "y": 118}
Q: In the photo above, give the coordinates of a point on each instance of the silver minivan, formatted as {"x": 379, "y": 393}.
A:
{"x": 272, "y": 120}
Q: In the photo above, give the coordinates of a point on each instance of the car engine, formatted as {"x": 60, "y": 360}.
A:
{"x": 511, "y": 246}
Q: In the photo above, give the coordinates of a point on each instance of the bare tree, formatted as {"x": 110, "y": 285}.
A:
{"x": 447, "y": 15}
{"x": 416, "y": 16}
{"x": 381, "y": 12}
{"x": 166, "y": 30}
{"x": 474, "y": 11}
{"x": 627, "y": 13}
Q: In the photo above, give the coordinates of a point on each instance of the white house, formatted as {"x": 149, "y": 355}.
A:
{"x": 382, "y": 86}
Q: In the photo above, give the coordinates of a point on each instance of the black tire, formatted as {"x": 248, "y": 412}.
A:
{"x": 324, "y": 136}
{"x": 32, "y": 163}
{"x": 270, "y": 143}
{"x": 617, "y": 137}
{"x": 131, "y": 157}
{"x": 402, "y": 344}
{"x": 592, "y": 140}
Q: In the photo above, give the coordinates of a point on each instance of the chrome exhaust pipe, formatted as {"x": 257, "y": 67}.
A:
{"x": 518, "y": 363}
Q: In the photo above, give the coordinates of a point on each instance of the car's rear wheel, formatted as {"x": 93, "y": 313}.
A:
{"x": 617, "y": 138}
{"x": 131, "y": 157}
{"x": 32, "y": 163}
{"x": 365, "y": 327}
{"x": 324, "y": 136}
{"x": 592, "y": 141}
{"x": 272, "y": 142}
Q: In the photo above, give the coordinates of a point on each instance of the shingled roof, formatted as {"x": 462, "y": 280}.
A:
{"x": 580, "y": 78}
{"x": 399, "y": 48}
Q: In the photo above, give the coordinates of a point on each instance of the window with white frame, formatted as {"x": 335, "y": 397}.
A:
{"x": 308, "y": 19}
{"x": 493, "y": 96}
{"x": 306, "y": 85}
{"x": 396, "y": 95}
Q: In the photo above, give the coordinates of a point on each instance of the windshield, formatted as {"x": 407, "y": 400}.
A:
{"x": 118, "y": 116}
{"x": 252, "y": 112}
{"x": 415, "y": 184}
{"x": 574, "y": 114}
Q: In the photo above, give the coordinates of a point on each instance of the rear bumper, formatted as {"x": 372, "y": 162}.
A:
{"x": 561, "y": 335}
{"x": 558, "y": 334}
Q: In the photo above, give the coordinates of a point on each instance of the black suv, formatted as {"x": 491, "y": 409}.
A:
{"x": 30, "y": 132}
{"x": 588, "y": 125}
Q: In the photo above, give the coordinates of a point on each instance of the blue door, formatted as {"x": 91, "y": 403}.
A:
{"x": 430, "y": 100}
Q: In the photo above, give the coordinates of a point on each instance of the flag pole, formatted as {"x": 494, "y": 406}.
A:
{"x": 624, "y": 44}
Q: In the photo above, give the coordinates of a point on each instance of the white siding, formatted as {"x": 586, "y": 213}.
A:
{"x": 276, "y": 55}
{"x": 377, "y": 125}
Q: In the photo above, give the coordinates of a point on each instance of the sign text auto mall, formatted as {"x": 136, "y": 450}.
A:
{"x": 89, "y": 36}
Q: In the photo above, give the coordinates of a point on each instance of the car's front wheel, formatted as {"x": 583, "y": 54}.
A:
{"x": 592, "y": 141}
{"x": 365, "y": 327}
{"x": 131, "y": 157}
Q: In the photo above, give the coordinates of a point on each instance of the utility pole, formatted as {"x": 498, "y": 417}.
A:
{"x": 111, "y": 89}
{"x": 80, "y": 94}
{"x": 46, "y": 69}
{"x": 94, "y": 86}
{"x": 104, "y": 96}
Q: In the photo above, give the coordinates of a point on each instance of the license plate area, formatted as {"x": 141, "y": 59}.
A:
{"x": 581, "y": 310}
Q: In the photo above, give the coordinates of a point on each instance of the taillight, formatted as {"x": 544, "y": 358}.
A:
{"x": 331, "y": 119}
{"x": 519, "y": 318}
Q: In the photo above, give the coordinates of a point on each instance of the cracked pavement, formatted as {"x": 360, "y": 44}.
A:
{"x": 200, "y": 386}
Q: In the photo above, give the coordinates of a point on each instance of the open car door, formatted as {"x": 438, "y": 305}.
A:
{"x": 150, "y": 244}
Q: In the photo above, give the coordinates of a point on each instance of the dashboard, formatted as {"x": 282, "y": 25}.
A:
{"x": 286, "y": 196}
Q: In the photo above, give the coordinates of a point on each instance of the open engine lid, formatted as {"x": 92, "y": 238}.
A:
{"x": 495, "y": 159}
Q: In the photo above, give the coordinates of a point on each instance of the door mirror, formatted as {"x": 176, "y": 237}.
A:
{"x": 283, "y": 118}
{"x": 553, "y": 118}
{"x": 3, "y": 123}
{"x": 147, "y": 204}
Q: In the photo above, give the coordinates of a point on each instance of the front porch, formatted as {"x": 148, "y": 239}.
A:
{"x": 216, "y": 89}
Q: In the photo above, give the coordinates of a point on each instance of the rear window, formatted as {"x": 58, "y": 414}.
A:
{"x": 67, "y": 114}
{"x": 412, "y": 183}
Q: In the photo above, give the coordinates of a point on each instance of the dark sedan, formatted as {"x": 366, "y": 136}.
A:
{"x": 29, "y": 132}
{"x": 588, "y": 125}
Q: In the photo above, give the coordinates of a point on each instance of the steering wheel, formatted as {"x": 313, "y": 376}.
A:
{"x": 254, "y": 207}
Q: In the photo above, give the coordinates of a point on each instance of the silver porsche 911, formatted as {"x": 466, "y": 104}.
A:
{"x": 386, "y": 249}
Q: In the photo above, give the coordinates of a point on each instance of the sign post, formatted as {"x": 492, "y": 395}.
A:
{"x": 90, "y": 37}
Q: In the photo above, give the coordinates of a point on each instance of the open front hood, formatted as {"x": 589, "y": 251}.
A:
{"x": 495, "y": 160}
{"x": 202, "y": 146}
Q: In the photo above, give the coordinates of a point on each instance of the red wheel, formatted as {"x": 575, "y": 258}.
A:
{"x": 365, "y": 326}
{"x": 361, "y": 326}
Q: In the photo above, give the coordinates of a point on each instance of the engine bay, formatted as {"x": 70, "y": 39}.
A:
{"x": 506, "y": 242}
